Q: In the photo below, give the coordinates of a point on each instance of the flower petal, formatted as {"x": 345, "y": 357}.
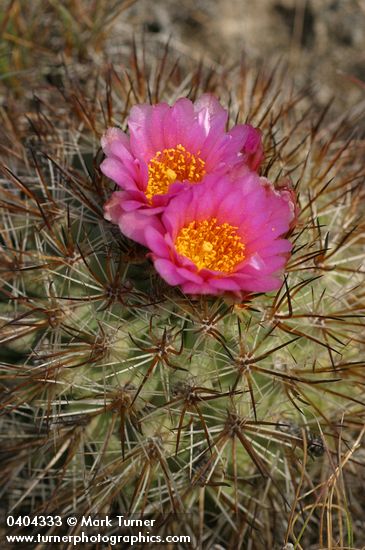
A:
{"x": 137, "y": 225}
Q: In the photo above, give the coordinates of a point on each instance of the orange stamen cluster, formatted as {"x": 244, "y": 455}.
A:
{"x": 170, "y": 165}
{"x": 211, "y": 246}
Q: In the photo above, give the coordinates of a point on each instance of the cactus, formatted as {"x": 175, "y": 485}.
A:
{"x": 120, "y": 394}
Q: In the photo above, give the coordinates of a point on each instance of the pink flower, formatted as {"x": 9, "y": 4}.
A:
{"x": 168, "y": 149}
{"x": 224, "y": 236}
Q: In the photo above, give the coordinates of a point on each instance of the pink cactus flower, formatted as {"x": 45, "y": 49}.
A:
{"x": 169, "y": 149}
{"x": 224, "y": 236}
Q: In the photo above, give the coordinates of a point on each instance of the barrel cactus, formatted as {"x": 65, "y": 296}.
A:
{"x": 123, "y": 394}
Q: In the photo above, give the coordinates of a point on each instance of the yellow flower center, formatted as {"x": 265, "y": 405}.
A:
{"x": 170, "y": 165}
{"x": 211, "y": 246}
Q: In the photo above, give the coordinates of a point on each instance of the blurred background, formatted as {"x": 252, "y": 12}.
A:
{"x": 322, "y": 41}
